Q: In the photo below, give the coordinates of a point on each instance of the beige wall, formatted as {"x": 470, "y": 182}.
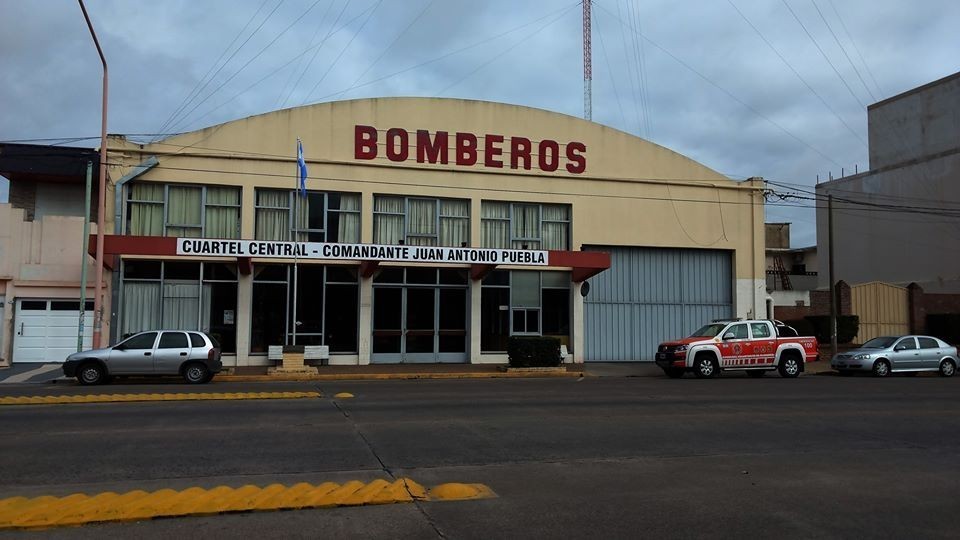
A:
{"x": 633, "y": 192}
{"x": 39, "y": 259}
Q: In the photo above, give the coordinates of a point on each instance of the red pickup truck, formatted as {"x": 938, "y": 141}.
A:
{"x": 752, "y": 346}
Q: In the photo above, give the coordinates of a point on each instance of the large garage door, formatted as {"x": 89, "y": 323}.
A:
{"x": 650, "y": 295}
{"x": 46, "y": 330}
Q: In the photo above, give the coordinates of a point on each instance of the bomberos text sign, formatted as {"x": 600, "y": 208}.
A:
{"x": 358, "y": 252}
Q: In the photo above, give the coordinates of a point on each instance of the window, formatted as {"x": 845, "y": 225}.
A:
{"x": 180, "y": 296}
{"x": 928, "y": 343}
{"x": 317, "y": 217}
{"x": 760, "y": 330}
{"x": 522, "y": 302}
{"x": 189, "y": 211}
{"x": 417, "y": 221}
{"x": 196, "y": 340}
{"x": 140, "y": 341}
{"x": 525, "y": 225}
{"x": 739, "y": 331}
{"x": 173, "y": 340}
{"x": 326, "y": 313}
{"x": 906, "y": 344}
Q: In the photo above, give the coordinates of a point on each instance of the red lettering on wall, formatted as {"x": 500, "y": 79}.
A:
{"x": 520, "y": 150}
{"x": 397, "y": 144}
{"x": 492, "y": 150}
{"x": 466, "y": 149}
{"x": 549, "y": 155}
{"x": 431, "y": 151}
{"x": 365, "y": 142}
{"x": 577, "y": 161}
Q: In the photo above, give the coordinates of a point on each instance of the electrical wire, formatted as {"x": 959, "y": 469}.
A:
{"x": 724, "y": 90}
{"x": 842, "y": 49}
{"x": 282, "y": 99}
{"x": 613, "y": 80}
{"x": 855, "y": 48}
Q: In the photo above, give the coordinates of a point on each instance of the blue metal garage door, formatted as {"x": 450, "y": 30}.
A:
{"x": 653, "y": 294}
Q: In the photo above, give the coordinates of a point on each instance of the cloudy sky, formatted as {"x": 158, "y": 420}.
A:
{"x": 772, "y": 88}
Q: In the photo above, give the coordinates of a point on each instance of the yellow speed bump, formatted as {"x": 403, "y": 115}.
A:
{"x": 80, "y": 509}
{"x": 182, "y": 396}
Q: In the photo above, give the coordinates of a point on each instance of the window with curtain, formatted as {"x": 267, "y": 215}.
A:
{"x": 141, "y": 307}
{"x": 272, "y": 214}
{"x": 222, "y": 212}
{"x": 525, "y": 225}
{"x": 388, "y": 220}
{"x": 187, "y": 211}
{"x": 454, "y": 222}
{"x": 343, "y": 220}
{"x": 421, "y": 222}
{"x": 145, "y": 209}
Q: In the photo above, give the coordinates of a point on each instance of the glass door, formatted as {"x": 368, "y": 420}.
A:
{"x": 421, "y": 325}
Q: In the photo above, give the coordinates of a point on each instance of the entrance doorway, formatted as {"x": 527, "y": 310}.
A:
{"x": 419, "y": 315}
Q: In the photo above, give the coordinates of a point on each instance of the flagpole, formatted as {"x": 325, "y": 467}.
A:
{"x": 296, "y": 239}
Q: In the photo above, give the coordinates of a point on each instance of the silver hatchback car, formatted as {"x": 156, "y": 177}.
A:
{"x": 195, "y": 356}
{"x": 898, "y": 354}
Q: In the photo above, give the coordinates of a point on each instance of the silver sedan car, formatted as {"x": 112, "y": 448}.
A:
{"x": 898, "y": 354}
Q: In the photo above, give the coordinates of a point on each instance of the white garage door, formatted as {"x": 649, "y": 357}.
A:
{"x": 46, "y": 330}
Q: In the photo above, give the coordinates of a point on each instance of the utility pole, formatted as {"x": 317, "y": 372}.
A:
{"x": 832, "y": 278}
{"x": 101, "y": 194}
{"x": 587, "y": 63}
{"x": 83, "y": 256}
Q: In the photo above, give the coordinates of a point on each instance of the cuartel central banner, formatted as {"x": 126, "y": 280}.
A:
{"x": 358, "y": 252}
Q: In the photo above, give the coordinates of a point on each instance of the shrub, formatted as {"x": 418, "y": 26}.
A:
{"x": 944, "y": 326}
{"x": 533, "y": 351}
{"x": 847, "y": 327}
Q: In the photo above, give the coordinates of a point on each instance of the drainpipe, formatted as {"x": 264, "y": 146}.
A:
{"x": 102, "y": 195}
{"x": 147, "y": 164}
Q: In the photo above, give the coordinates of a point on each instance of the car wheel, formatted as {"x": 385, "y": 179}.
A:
{"x": 789, "y": 367}
{"x": 881, "y": 368}
{"x": 705, "y": 367}
{"x": 91, "y": 374}
{"x": 947, "y": 368}
{"x": 196, "y": 373}
{"x": 673, "y": 373}
{"x": 756, "y": 373}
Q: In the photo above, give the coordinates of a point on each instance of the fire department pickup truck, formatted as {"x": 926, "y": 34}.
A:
{"x": 752, "y": 346}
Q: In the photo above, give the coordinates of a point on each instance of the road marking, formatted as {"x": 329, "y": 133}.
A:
{"x": 116, "y": 398}
{"x": 81, "y": 509}
{"x": 27, "y": 375}
{"x": 343, "y": 395}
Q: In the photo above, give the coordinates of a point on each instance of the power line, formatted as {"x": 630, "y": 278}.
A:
{"x": 613, "y": 79}
{"x": 796, "y": 73}
{"x": 855, "y": 48}
{"x": 281, "y": 99}
{"x": 641, "y": 63}
{"x": 203, "y": 80}
{"x": 843, "y": 50}
{"x": 631, "y": 71}
{"x": 724, "y": 90}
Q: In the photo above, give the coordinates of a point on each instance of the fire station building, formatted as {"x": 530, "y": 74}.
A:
{"x": 428, "y": 230}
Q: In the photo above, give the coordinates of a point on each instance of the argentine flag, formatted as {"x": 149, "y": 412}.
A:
{"x": 302, "y": 168}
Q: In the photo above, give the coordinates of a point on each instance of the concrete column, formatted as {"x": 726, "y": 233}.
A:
{"x": 247, "y": 212}
{"x": 365, "y": 327}
{"x": 475, "y": 313}
{"x": 243, "y": 318}
{"x": 576, "y": 326}
{"x": 6, "y": 325}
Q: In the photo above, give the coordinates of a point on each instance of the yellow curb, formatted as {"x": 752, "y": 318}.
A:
{"x": 118, "y": 398}
{"x": 81, "y": 509}
{"x": 395, "y": 376}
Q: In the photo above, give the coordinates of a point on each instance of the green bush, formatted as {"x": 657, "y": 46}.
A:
{"x": 533, "y": 351}
{"x": 944, "y": 326}
{"x": 847, "y": 327}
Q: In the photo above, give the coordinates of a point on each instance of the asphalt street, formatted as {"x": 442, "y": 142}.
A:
{"x": 818, "y": 456}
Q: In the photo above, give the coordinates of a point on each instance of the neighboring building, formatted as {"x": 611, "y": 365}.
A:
{"x": 791, "y": 273}
{"x": 915, "y": 163}
{"x": 528, "y": 207}
{"x": 41, "y": 252}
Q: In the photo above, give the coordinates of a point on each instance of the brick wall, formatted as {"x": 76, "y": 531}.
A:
{"x": 819, "y": 305}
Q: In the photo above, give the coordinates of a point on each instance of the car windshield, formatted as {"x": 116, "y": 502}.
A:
{"x": 879, "y": 343}
{"x": 710, "y": 330}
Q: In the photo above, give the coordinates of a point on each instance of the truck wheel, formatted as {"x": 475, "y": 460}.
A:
{"x": 673, "y": 373}
{"x": 789, "y": 367}
{"x": 705, "y": 367}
